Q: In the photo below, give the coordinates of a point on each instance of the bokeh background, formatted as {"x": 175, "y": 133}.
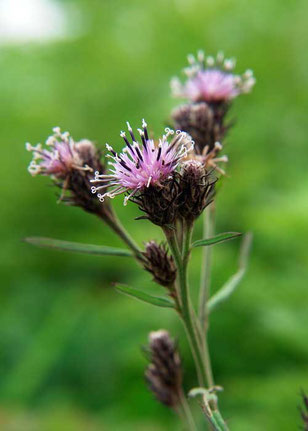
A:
{"x": 70, "y": 347}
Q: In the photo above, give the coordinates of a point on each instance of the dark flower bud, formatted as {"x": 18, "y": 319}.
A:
{"x": 160, "y": 264}
{"x": 204, "y": 122}
{"x": 159, "y": 202}
{"x": 196, "y": 189}
{"x": 164, "y": 373}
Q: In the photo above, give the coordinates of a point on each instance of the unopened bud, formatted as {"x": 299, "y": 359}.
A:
{"x": 203, "y": 122}
{"x": 160, "y": 264}
{"x": 159, "y": 202}
{"x": 164, "y": 373}
{"x": 197, "y": 189}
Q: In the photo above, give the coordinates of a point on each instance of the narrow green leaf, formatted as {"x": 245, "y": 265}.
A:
{"x": 76, "y": 247}
{"x": 221, "y": 237}
{"x": 145, "y": 297}
{"x": 229, "y": 287}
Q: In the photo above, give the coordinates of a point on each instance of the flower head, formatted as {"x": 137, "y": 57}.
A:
{"x": 57, "y": 161}
{"x": 70, "y": 165}
{"x": 141, "y": 166}
{"x": 212, "y": 80}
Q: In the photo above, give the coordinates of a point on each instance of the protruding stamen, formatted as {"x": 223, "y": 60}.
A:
{"x": 136, "y": 148}
{"x": 191, "y": 59}
{"x": 248, "y": 74}
{"x": 223, "y": 159}
{"x": 229, "y": 64}
{"x": 57, "y": 131}
{"x": 149, "y": 181}
{"x": 220, "y": 57}
{"x": 210, "y": 61}
{"x": 130, "y": 131}
{"x": 158, "y": 153}
{"x": 144, "y": 125}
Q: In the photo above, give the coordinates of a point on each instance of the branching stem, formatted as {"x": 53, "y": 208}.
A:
{"x": 112, "y": 220}
{"x": 192, "y": 326}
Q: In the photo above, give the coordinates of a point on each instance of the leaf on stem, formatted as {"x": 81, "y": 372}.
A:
{"x": 76, "y": 247}
{"x": 145, "y": 297}
{"x": 221, "y": 237}
{"x": 229, "y": 287}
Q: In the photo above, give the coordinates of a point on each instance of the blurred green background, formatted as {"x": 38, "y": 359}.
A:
{"x": 70, "y": 347}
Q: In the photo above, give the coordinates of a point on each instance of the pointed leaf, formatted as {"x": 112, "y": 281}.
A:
{"x": 229, "y": 287}
{"x": 76, "y": 247}
{"x": 221, "y": 237}
{"x": 145, "y": 297}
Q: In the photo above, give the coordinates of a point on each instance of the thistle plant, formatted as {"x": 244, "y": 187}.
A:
{"x": 172, "y": 181}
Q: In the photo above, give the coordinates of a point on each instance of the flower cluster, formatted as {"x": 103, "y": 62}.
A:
{"x": 155, "y": 177}
{"x": 172, "y": 182}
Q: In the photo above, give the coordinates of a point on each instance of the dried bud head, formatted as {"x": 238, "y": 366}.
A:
{"x": 164, "y": 373}
{"x": 159, "y": 202}
{"x": 197, "y": 189}
{"x": 203, "y": 122}
{"x": 160, "y": 264}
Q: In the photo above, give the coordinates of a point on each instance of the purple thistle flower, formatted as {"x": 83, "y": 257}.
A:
{"x": 211, "y": 80}
{"x": 60, "y": 159}
{"x": 140, "y": 166}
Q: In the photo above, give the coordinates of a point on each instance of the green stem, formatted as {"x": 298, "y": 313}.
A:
{"x": 181, "y": 261}
{"x": 186, "y": 413}
{"x": 112, "y": 220}
{"x": 205, "y": 281}
{"x": 192, "y": 326}
{"x": 207, "y": 363}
